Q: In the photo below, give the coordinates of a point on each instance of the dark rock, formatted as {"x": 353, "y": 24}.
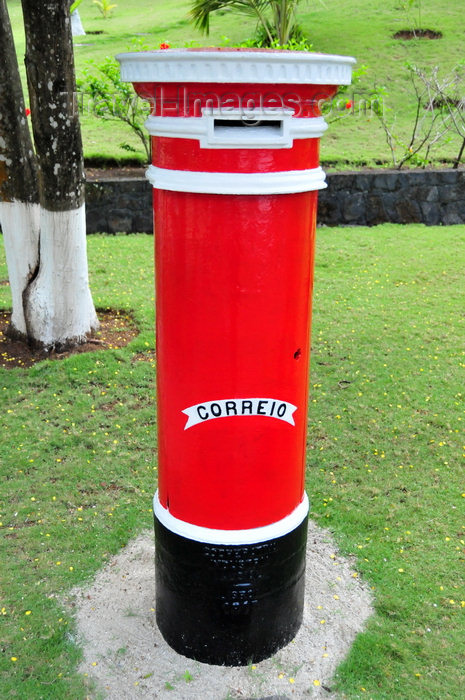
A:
{"x": 447, "y": 193}
{"x": 120, "y": 222}
{"x": 353, "y": 208}
{"x": 352, "y": 198}
{"x": 375, "y": 213}
{"x": 450, "y": 177}
{"x": 452, "y": 215}
{"x": 409, "y": 211}
{"x": 431, "y": 213}
{"x": 329, "y": 209}
{"x": 389, "y": 182}
{"x": 390, "y": 201}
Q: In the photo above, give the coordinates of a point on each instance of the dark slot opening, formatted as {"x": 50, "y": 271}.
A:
{"x": 273, "y": 123}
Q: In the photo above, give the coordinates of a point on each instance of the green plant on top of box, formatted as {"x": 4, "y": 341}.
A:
{"x": 276, "y": 19}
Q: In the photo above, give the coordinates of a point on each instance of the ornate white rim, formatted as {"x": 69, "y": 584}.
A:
{"x": 220, "y": 66}
{"x": 287, "y": 182}
{"x": 231, "y": 537}
{"x": 283, "y": 129}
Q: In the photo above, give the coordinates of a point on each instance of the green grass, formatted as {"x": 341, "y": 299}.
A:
{"x": 386, "y": 447}
{"x": 385, "y": 459}
{"x": 359, "y": 28}
{"x": 78, "y": 471}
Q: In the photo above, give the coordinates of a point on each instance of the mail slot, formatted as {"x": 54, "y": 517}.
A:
{"x": 235, "y": 171}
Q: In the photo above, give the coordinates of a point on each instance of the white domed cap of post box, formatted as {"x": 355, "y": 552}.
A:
{"x": 259, "y": 66}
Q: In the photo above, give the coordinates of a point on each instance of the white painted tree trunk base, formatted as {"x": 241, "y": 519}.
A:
{"x": 76, "y": 25}
{"x": 20, "y": 222}
{"x": 59, "y": 307}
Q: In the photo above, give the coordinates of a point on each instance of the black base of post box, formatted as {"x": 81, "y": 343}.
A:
{"x": 229, "y": 605}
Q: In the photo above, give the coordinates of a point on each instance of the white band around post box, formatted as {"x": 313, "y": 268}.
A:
{"x": 233, "y": 129}
{"x": 222, "y": 128}
{"x": 286, "y": 182}
{"x": 232, "y": 537}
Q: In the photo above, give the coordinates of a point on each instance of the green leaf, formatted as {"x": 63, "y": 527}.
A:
{"x": 75, "y": 6}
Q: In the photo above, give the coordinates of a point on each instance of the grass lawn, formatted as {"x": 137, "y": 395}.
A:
{"x": 385, "y": 459}
{"x": 387, "y": 447}
{"x": 360, "y": 28}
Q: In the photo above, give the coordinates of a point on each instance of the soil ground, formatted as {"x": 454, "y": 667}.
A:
{"x": 115, "y": 331}
{"x": 128, "y": 172}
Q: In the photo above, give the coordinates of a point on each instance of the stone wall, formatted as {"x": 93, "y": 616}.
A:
{"x": 119, "y": 205}
{"x": 351, "y": 199}
{"x": 428, "y": 197}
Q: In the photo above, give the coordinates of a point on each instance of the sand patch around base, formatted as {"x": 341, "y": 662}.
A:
{"x": 126, "y": 657}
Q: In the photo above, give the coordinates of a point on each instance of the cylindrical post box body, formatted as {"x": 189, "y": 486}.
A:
{"x": 235, "y": 175}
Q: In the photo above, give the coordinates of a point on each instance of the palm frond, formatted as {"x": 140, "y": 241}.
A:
{"x": 201, "y": 10}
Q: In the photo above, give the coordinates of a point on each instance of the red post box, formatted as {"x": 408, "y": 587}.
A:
{"x": 235, "y": 137}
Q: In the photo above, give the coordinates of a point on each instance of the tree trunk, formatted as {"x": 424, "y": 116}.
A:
{"x": 76, "y": 25}
{"x": 19, "y": 192}
{"x": 58, "y": 306}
